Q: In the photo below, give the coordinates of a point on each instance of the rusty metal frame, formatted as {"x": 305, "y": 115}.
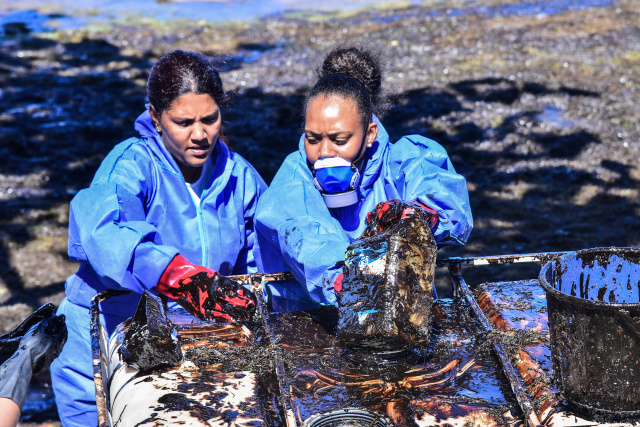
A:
{"x": 257, "y": 285}
{"x": 542, "y": 257}
{"x": 102, "y": 392}
{"x": 263, "y": 277}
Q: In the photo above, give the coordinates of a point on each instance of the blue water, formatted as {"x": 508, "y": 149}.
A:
{"x": 524, "y": 8}
{"x": 45, "y": 15}
{"x": 553, "y": 115}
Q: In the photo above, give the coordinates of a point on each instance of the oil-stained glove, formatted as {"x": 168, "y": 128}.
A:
{"x": 10, "y": 341}
{"x": 389, "y": 212}
{"x": 38, "y": 347}
{"x": 205, "y": 293}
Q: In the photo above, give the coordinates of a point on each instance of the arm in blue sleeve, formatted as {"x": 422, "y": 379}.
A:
{"x": 254, "y": 187}
{"x": 424, "y": 172}
{"x": 107, "y": 228}
{"x": 297, "y": 233}
{"x": 313, "y": 255}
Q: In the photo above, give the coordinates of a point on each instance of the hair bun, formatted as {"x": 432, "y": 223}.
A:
{"x": 355, "y": 62}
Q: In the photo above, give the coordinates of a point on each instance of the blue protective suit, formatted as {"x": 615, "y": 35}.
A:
{"x": 298, "y": 233}
{"x": 124, "y": 230}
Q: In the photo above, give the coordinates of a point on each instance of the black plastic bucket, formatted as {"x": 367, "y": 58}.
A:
{"x": 593, "y": 302}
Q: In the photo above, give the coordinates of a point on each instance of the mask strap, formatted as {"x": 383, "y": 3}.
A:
{"x": 357, "y": 163}
{"x": 316, "y": 183}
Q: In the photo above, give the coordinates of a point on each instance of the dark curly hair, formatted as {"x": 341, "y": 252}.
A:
{"x": 180, "y": 72}
{"x": 352, "y": 72}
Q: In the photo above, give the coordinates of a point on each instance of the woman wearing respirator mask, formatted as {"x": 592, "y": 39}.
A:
{"x": 345, "y": 173}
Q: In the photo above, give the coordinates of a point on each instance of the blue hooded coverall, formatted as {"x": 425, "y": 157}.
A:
{"x": 124, "y": 230}
{"x": 297, "y": 232}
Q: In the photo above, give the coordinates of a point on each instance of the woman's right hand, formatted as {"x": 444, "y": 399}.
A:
{"x": 389, "y": 212}
{"x": 205, "y": 293}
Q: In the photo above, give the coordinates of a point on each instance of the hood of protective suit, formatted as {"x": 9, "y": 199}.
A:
{"x": 144, "y": 126}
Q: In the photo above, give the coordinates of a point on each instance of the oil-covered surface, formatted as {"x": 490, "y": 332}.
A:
{"x": 594, "y": 309}
{"x": 446, "y": 382}
{"x": 517, "y": 305}
{"x": 224, "y": 379}
{"x": 151, "y": 340}
{"x": 228, "y": 376}
{"x": 518, "y": 312}
{"x": 387, "y": 290}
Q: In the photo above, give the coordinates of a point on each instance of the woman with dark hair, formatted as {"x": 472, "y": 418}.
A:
{"x": 345, "y": 177}
{"x": 165, "y": 206}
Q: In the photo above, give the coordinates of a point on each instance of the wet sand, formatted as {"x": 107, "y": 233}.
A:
{"x": 538, "y": 108}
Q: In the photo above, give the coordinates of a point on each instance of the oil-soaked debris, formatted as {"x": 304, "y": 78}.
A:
{"x": 151, "y": 340}
{"x": 180, "y": 402}
{"x": 253, "y": 355}
{"x": 387, "y": 290}
{"x": 512, "y": 340}
{"x": 497, "y": 412}
{"x": 223, "y": 355}
{"x": 325, "y": 372}
{"x": 519, "y": 299}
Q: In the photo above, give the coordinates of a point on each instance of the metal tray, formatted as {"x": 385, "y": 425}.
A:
{"x": 488, "y": 363}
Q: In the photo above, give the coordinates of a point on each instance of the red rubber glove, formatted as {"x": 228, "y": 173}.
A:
{"x": 387, "y": 213}
{"x": 205, "y": 293}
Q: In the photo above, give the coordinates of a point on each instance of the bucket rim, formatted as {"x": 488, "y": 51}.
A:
{"x": 631, "y": 306}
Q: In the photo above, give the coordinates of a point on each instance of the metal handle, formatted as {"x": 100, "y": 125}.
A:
{"x": 499, "y": 259}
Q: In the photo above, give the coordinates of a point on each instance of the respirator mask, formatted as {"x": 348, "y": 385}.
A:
{"x": 337, "y": 180}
